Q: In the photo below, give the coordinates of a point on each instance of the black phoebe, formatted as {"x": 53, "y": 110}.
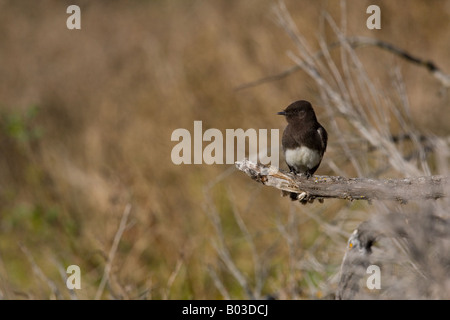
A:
{"x": 304, "y": 139}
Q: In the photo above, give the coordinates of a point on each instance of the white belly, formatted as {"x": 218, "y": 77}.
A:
{"x": 302, "y": 157}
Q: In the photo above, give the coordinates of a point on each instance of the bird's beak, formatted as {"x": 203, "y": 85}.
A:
{"x": 281, "y": 113}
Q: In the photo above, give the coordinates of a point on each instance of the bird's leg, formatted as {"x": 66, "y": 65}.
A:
{"x": 303, "y": 197}
{"x": 292, "y": 170}
{"x": 292, "y": 195}
{"x": 306, "y": 174}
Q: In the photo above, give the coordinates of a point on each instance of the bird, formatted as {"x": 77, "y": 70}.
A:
{"x": 304, "y": 140}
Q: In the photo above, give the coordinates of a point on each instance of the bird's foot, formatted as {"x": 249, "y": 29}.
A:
{"x": 305, "y": 197}
{"x": 306, "y": 174}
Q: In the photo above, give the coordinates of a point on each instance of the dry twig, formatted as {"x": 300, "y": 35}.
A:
{"x": 112, "y": 251}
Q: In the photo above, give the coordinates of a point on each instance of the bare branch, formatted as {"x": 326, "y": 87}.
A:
{"x": 429, "y": 65}
{"x": 356, "y": 42}
{"x": 172, "y": 278}
{"x": 56, "y": 294}
{"x": 112, "y": 251}
{"x": 402, "y": 190}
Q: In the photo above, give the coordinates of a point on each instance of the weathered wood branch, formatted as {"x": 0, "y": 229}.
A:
{"x": 402, "y": 190}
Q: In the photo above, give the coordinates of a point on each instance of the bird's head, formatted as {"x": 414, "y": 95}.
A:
{"x": 299, "y": 111}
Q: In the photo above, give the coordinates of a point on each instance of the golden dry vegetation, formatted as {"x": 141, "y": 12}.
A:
{"x": 86, "y": 118}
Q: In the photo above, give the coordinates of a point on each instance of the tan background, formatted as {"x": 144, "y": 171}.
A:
{"x": 86, "y": 121}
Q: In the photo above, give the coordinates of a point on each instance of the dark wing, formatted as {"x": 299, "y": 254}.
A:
{"x": 294, "y": 137}
{"x": 323, "y": 137}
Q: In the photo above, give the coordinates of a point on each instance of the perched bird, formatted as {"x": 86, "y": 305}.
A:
{"x": 304, "y": 139}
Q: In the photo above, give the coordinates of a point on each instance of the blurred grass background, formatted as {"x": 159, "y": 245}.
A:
{"x": 85, "y": 128}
